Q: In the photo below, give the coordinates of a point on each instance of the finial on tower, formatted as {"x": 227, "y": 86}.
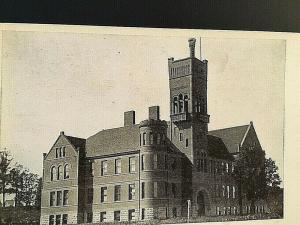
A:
{"x": 192, "y": 42}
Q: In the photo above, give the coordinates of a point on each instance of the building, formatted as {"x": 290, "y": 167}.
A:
{"x": 150, "y": 169}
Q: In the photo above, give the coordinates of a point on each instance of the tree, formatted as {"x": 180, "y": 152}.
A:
{"x": 16, "y": 181}
{"x": 5, "y": 160}
{"x": 250, "y": 176}
{"x": 271, "y": 171}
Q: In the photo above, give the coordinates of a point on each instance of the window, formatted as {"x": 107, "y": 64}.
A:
{"x": 90, "y": 196}
{"x": 143, "y": 214}
{"x": 60, "y": 152}
{"x": 180, "y": 136}
{"x": 158, "y": 139}
{"x": 234, "y": 210}
{"x": 131, "y": 214}
{"x": 155, "y": 189}
{"x": 131, "y": 191}
{"x": 180, "y": 103}
{"x": 151, "y": 138}
{"x": 117, "y": 166}
{"x": 56, "y": 152}
{"x": 58, "y": 218}
{"x": 116, "y": 215}
{"x": 103, "y": 194}
{"x": 144, "y": 138}
{"x": 63, "y": 151}
{"x": 143, "y": 189}
{"x": 51, "y": 220}
{"x": 59, "y": 172}
{"x": 174, "y": 212}
{"x": 65, "y": 219}
{"x": 154, "y": 161}
{"x": 174, "y": 190}
{"x": 89, "y": 218}
{"x": 228, "y": 191}
{"x": 59, "y": 198}
{"x": 118, "y": 193}
{"x": 66, "y": 197}
{"x": 103, "y": 168}
{"x": 66, "y": 171}
{"x": 52, "y": 198}
{"x": 131, "y": 164}
{"x": 218, "y": 211}
{"x": 233, "y": 191}
{"x": 175, "y": 105}
{"x": 102, "y": 216}
{"x": 140, "y": 140}
{"x": 223, "y": 190}
{"x": 186, "y": 143}
{"x": 53, "y": 173}
{"x": 143, "y": 162}
{"x": 186, "y": 103}
{"x": 227, "y": 167}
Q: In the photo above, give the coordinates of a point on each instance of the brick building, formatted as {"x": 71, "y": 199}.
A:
{"x": 150, "y": 169}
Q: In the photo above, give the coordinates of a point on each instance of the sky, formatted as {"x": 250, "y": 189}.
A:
{"x": 83, "y": 83}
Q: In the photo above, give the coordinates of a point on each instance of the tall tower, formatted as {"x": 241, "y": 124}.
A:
{"x": 188, "y": 103}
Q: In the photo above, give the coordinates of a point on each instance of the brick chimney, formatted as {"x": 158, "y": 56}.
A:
{"x": 154, "y": 113}
{"x": 192, "y": 42}
{"x": 129, "y": 118}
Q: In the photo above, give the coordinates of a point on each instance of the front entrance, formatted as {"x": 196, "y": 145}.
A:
{"x": 200, "y": 204}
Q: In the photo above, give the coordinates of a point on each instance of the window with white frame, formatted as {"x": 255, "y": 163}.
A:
{"x": 131, "y": 191}
{"x": 103, "y": 194}
{"x": 103, "y": 168}
{"x": 117, "y": 166}
{"x": 131, "y": 164}
{"x": 155, "y": 161}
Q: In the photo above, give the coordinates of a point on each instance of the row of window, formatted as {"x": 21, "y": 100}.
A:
{"x": 226, "y": 210}
{"x": 214, "y": 167}
{"x": 58, "y": 219}
{"x": 132, "y": 192}
{"x": 154, "y": 138}
{"x": 59, "y": 198}
{"x": 225, "y": 191}
{"x": 182, "y": 70}
{"x": 62, "y": 172}
{"x": 180, "y": 104}
{"x": 60, "y": 152}
{"x": 132, "y": 164}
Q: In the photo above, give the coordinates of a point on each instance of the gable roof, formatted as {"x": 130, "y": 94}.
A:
{"x": 231, "y": 137}
{"x": 217, "y": 149}
{"x": 76, "y": 142}
{"x": 115, "y": 140}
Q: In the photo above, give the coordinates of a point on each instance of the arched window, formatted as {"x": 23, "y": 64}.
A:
{"x": 175, "y": 105}
{"x": 180, "y": 99}
{"x": 66, "y": 171}
{"x": 151, "y": 138}
{"x": 186, "y": 103}
{"x": 59, "y": 172}
{"x": 53, "y": 173}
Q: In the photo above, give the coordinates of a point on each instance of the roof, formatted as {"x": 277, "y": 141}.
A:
{"x": 216, "y": 148}
{"x": 231, "y": 137}
{"x": 112, "y": 141}
{"x": 76, "y": 142}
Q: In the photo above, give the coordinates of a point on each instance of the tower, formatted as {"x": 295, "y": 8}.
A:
{"x": 188, "y": 104}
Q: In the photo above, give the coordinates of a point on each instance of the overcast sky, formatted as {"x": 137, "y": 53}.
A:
{"x": 82, "y": 83}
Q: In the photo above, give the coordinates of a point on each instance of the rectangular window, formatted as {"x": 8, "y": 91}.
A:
{"x": 51, "y": 220}
{"x": 180, "y": 136}
{"x": 66, "y": 197}
{"x": 143, "y": 189}
{"x": 52, "y": 198}
{"x": 103, "y": 197}
{"x": 60, "y": 152}
{"x": 144, "y": 138}
{"x": 131, "y": 214}
{"x": 143, "y": 162}
{"x": 56, "y": 152}
{"x": 186, "y": 143}
{"x": 227, "y": 168}
{"x": 103, "y": 168}
{"x": 57, "y": 219}
{"x": 131, "y": 164}
{"x": 218, "y": 210}
{"x": 103, "y": 217}
{"x": 118, "y": 193}
{"x": 143, "y": 214}
{"x": 155, "y": 189}
{"x": 63, "y": 151}
{"x": 233, "y": 191}
{"x": 89, "y": 218}
{"x": 223, "y": 190}
{"x": 59, "y": 198}
{"x": 131, "y": 191}
{"x": 65, "y": 219}
{"x": 140, "y": 140}
{"x": 174, "y": 190}
{"x": 116, "y": 215}
{"x": 155, "y": 161}
{"x": 228, "y": 191}
{"x": 117, "y": 166}
{"x": 90, "y": 196}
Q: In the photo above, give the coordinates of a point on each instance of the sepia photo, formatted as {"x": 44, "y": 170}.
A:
{"x": 158, "y": 127}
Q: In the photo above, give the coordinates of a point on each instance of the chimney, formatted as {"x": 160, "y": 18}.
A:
{"x": 129, "y": 118}
{"x": 154, "y": 113}
{"x": 62, "y": 133}
{"x": 192, "y": 42}
{"x": 44, "y": 155}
